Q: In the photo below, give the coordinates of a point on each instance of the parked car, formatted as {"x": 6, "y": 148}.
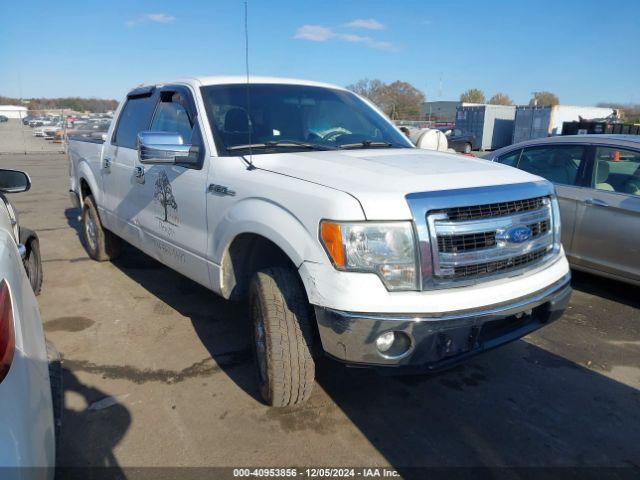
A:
{"x": 27, "y": 431}
{"x": 597, "y": 179}
{"x": 459, "y": 140}
{"x": 342, "y": 235}
{"x": 3, "y": 119}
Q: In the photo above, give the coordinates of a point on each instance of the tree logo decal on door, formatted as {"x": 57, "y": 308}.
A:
{"x": 164, "y": 195}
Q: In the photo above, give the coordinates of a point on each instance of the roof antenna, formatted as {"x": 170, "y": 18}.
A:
{"x": 246, "y": 60}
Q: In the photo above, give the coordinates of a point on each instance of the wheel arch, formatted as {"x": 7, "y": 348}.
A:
{"x": 268, "y": 235}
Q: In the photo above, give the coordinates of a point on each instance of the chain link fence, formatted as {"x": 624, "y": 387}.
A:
{"x": 46, "y": 131}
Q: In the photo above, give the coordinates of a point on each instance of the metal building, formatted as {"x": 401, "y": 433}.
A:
{"x": 540, "y": 122}
{"x": 491, "y": 125}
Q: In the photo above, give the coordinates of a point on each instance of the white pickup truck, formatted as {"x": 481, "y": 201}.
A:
{"x": 304, "y": 198}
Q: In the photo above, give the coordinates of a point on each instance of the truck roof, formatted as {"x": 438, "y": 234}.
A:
{"x": 242, "y": 79}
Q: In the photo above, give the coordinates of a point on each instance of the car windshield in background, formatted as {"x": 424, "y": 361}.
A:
{"x": 294, "y": 117}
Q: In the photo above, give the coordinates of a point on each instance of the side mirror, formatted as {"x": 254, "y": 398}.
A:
{"x": 165, "y": 148}
{"x": 14, "y": 181}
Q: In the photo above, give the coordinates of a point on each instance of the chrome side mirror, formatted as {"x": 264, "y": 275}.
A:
{"x": 14, "y": 181}
{"x": 165, "y": 148}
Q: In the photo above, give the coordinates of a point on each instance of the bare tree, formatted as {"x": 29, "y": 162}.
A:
{"x": 398, "y": 99}
{"x": 403, "y": 100}
{"x": 500, "y": 99}
{"x": 473, "y": 95}
{"x": 164, "y": 194}
{"x": 544, "y": 99}
{"x": 371, "y": 89}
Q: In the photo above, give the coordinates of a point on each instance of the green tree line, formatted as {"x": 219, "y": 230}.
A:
{"x": 79, "y": 104}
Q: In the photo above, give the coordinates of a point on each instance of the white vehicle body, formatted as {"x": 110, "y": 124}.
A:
{"x": 284, "y": 197}
{"x": 27, "y": 436}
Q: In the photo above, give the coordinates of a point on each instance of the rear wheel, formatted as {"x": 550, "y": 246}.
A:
{"x": 32, "y": 260}
{"x": 282, "y": 337}
{"x": 467, "y": 148}
{"x": 101, "y": 244}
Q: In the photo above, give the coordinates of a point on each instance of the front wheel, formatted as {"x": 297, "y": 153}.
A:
{"x": 282, "y": 337}
{"x": 467, "y": 148}
{"x": 101, "y": 244}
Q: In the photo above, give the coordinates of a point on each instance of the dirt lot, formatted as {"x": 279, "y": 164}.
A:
{"x": 158, "y": 372}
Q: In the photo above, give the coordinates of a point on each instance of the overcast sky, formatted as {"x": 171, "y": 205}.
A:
{"x": 584, "y": 51}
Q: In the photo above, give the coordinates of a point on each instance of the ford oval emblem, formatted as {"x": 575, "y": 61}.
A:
{"x": 519, "y": 234}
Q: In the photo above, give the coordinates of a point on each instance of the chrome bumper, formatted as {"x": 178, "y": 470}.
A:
{"x": 439, "y": 341}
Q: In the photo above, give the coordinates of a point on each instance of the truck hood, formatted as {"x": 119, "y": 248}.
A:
{"x": 380, "y": 179}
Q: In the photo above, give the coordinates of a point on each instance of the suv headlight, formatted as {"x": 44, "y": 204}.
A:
{"x": 387, "y": 249}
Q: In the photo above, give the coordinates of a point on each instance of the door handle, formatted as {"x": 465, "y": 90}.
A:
{"x": 138, "y": 172}
{"x": 107, "y": 161}
{"x": 596, "y": 202}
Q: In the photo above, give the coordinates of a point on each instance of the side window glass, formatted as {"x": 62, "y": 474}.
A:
{"x": 510, "y": 159}
{"x": 134, "y": 118}
{"x": 557, "y": 163}
{"x": 617, "y": 170}
{"x": 172, "y": 116}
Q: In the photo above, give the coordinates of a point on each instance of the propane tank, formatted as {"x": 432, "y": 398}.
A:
{"x": 430, "y": 139}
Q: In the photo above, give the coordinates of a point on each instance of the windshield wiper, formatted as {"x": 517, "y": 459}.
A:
{"x": 369, "y": 144}
{"x": 282, "y": 144}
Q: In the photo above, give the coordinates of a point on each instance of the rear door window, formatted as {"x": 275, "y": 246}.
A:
{"x": 557, "y": 163}
{"x": 617, "y": 170}
{"x": 134, "y": 118}
{"x": 510, "y": 159}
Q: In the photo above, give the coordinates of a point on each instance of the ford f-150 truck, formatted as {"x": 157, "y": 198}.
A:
{"x": 305, "y": 199}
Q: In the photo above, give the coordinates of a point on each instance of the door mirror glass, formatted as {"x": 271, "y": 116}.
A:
{"x": 165, "y": 148}
{"x": 14, "y": 181}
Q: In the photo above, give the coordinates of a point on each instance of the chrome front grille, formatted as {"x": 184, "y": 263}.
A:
{"x": 497, "y": 266}
{"x": 490, "y": 210}
{"x": 472, "y": 235}
{"x": 478, "y": 241}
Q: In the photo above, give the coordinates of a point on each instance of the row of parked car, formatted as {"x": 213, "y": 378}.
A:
{"x": 55, "y": 128}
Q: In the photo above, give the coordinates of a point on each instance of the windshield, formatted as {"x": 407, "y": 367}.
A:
{"x": 294, "y": 117}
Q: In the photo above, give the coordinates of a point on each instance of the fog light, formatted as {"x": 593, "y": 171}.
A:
{"x": 393, "y": 344}
{"x": 385, "y": 341}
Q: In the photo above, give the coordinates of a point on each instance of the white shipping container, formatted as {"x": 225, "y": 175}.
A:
{"x": 539, "y": 122}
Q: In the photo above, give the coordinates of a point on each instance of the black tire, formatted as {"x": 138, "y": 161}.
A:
{"x": 32, "y": 260}
{"x": 101, "y": 244}
{"x": 282, "y": 336}
{"x": 467, "y": 148}
{"x": 55, "y": 378}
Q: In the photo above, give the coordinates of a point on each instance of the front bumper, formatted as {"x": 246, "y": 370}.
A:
{"x": 442, "y": 340}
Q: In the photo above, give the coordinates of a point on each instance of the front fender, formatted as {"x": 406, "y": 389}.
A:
{"x": 272, "y": 221}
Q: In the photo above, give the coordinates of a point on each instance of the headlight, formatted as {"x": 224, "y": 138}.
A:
{"x": 387, "y": 249}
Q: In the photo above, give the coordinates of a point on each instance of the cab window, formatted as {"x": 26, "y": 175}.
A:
{"x": 172, "y": 116}
{"x": 617, "y": 170}
{"x": 134, "y": 118}
{"x": 557, "y": 163}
